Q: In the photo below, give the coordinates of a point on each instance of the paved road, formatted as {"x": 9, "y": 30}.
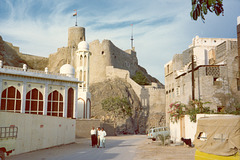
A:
{"x": 117, "y": 148}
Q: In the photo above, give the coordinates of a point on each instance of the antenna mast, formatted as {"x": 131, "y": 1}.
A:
{"x": 132, "y": 37}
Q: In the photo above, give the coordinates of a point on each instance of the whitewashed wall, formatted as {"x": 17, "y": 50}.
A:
{"x": 190, "y": 127}
{"x": 38, "y": 131}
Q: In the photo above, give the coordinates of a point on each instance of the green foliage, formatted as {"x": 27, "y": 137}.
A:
{"x": 177, "y": 110}
{"x": 140, "y": 79}
{"x": 201, "y": 8}
{"x": 236, "y": 111}
{"x": 117, "y": 106}
{"x": 197, "y": 106}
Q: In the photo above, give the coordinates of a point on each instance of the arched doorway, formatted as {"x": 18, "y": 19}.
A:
{"x": 70, "y": 103}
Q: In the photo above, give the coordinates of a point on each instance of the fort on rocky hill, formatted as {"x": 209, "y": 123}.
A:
{"x": 106, "y": 63}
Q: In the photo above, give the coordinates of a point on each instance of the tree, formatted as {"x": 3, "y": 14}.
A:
{"x": 117, "y": 107}
{"x": 201, "y": 8}
{"x": 140, "y": 79}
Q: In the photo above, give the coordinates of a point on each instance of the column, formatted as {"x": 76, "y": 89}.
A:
{"x": 75, "y": 108}
{"x": 87, "y": 73}
{"x": 45, "y": 99}
{"x": 65, "y": 102}
{"x": 23, "y": 99}
{"x": 83, "y": 69}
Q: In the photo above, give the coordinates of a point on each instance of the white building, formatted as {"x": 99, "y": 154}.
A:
{"x": 24, "y": 90}
{"x": 37, "y": 92}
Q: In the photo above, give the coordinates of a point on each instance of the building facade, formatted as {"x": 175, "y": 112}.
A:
{"x": 37, "y": 92}
{"x": 215, "y": 74}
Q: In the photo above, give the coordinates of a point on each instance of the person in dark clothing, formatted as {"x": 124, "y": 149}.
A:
{"x": 93, "y": 136}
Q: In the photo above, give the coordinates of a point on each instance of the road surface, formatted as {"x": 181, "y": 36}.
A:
{"x": 117, "y": 148}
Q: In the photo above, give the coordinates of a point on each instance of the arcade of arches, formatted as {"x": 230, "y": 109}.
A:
{"x": 11, "y": 101}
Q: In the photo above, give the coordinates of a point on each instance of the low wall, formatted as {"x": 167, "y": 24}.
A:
{"x": 84, "y": 126}
{"x": 38, "y": 131}
{"x": 187, "y": 129}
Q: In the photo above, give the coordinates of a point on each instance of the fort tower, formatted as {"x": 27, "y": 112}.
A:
{"x": 75, "y": 35}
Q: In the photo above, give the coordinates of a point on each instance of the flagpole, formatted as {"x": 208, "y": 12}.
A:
{"x": 76, "y": 21}
{"x": 75, "y": 14}
{"x": 76, "y": 18}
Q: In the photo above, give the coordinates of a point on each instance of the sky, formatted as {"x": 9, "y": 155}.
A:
{"x": 161, "y": 28}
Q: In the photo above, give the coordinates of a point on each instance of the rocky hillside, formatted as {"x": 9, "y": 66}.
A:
{"x": 142, "y": 117}
{"x": 149, "y": 77}
{"x": 35, "y": 62}
{"x": 113, "y": 88}
{"x": 9, "y": 56}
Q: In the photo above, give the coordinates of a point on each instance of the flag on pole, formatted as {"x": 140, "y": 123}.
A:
{"x": 75, "y": 14}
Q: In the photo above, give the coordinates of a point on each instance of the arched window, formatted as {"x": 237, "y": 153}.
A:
{"x": 80, "y": 99}
{"x": 11, "y": 100}
{"x": 34, "y": 102}
{"x": 81, "y": 60}
{"x": 55, "y": 104}
{"x": 80, "y": 76}
{"x": 70, "y": 103}
{"x": 85, "y": 61}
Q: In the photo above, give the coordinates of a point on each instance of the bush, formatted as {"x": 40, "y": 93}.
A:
{"x": 177, "y": 110}
{"x": 140, "y": 78}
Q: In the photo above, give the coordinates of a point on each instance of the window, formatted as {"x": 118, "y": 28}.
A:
{"x": 81, "y": 60}
{"x": 216, "y": 81}
{"x": 34, "y": 102}
{"x": 11, "y": 100}
{"x": 178, "y": 91}
{"x": 55, "y": 104}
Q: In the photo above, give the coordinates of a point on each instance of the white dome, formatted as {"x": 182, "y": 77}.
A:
{"x": 83, "y": 46}
{"x": 68, "y": 70}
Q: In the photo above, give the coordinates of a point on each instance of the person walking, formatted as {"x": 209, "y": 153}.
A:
{"x": 93, "y": 137}
{"x": 98, "y": 136}
{"x": 102, "y": 138}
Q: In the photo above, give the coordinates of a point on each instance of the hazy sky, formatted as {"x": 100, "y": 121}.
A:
{"x": 161, "y": 28}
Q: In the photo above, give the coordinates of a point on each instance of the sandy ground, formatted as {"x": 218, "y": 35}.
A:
{"x": 148, "y": 150}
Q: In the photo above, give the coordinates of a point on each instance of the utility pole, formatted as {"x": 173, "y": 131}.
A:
{"x": 193, "y": 84}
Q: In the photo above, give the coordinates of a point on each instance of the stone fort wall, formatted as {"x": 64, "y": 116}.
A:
{"x": 150, "y": 96}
